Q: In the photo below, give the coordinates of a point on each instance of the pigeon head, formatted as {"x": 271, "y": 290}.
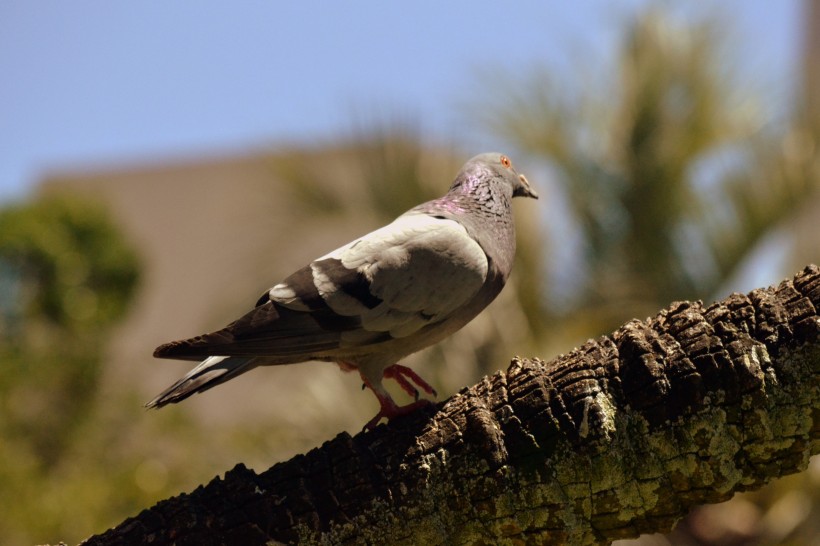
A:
{"x": 499, "y": 167}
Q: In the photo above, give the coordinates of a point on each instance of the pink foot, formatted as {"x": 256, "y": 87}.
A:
{"x": 402, "y": 373}
{"x": 388, "y": 408}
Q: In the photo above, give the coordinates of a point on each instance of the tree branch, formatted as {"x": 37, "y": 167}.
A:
{"x": 622, "y": 436}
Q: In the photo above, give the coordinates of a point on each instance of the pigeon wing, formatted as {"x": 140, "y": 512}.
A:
{"x": 427, "y": 269}
{"x": 389, "y": 284}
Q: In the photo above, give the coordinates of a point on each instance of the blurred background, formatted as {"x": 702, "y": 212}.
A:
{"x": 163, "y": 165}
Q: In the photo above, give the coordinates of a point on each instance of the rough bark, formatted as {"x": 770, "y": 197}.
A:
{"x": 622, "y": 436}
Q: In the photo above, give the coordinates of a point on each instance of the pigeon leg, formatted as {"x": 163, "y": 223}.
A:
{"x": 388, "y": 408}
{"x": 402, "y": 373}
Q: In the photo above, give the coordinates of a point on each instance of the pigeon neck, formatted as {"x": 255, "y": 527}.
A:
{"x": 485, "y": 211}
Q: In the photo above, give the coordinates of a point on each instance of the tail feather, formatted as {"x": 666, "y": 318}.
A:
{"x": 210, "y": 373}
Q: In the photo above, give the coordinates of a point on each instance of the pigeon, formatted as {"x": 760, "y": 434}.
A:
{"x": 378, "y": 299}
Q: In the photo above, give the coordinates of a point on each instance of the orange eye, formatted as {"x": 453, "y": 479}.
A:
{"x": 506, "y": 161}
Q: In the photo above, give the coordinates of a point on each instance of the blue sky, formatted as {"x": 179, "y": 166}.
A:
{"x": 88, "y": 83}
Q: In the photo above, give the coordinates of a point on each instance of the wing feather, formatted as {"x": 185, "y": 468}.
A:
{"x": 389, "y": 284}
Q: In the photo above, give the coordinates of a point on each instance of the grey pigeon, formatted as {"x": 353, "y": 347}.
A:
{"x": 384, "y": 296}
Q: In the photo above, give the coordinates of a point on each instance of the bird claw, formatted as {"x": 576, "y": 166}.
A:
{"x": 390, "y": 410}
{"x": 403, "y": 375}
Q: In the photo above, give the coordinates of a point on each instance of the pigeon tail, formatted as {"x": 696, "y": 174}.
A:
{"x": 210, "y": 373}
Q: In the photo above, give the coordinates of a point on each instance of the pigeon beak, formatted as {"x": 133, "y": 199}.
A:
{"x": 525, "y": 190}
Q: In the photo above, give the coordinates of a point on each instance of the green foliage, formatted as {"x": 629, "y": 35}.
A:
{"x": 666, "y": 170}
{"x": 73, "y": 270}
{"x": 66, "y": 276}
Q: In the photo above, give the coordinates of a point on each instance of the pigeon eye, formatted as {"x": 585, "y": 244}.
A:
{"x": 506, "y": 161}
